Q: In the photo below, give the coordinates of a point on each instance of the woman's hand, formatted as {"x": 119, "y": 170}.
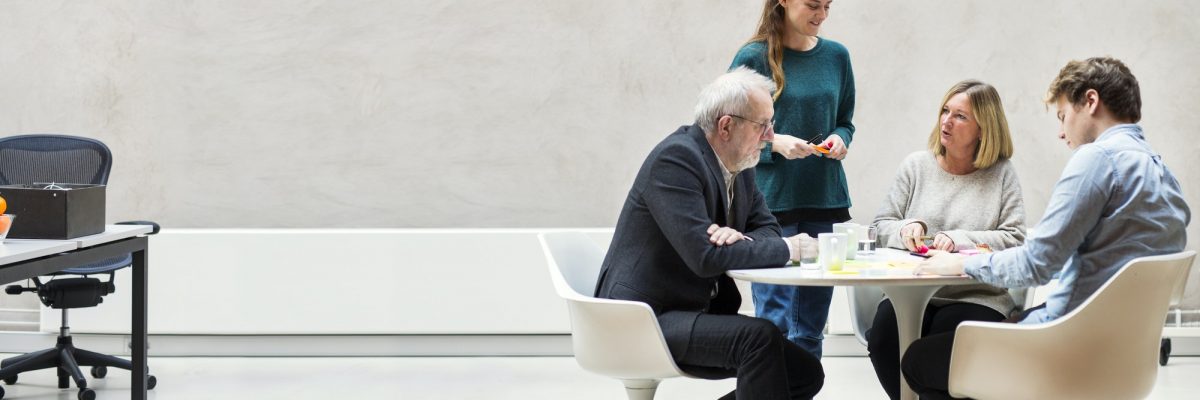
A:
{"x": 911, "y": 235}
{"x": 943, "y": 242}
{"x": 837, "y": 148}
{"x": 791, "y": 147}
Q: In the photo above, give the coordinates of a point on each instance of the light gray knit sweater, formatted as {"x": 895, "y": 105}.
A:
{"x": 984, "y": 206}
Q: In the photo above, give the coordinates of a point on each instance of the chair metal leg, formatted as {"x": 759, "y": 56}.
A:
{"x": 30, "y": 362}
{"x": 16, "y": 359}
{"x": 95, "y": 359}
{"x": 69, "y": 364}
{"x": 640, "y": 389}
{"x": 64, "y": 380}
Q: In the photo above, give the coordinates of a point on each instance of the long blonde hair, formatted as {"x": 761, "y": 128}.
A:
{"x": 770, "y": 31}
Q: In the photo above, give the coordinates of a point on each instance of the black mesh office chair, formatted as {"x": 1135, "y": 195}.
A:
{"x": 64, "y": 159}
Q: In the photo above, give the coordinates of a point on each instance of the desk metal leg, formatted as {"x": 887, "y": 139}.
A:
{"x": 909, "y": 302}
{"x": 138, "y": 334}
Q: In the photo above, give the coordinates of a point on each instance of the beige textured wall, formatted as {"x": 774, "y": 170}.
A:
{"x": 291, "y": 113}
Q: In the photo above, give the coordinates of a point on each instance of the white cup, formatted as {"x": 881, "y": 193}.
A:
{"x": 853, "y": 231}
{"x": 832, "y": 249}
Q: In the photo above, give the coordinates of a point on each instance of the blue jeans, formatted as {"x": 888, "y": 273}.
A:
{"x": 800, "y": 312}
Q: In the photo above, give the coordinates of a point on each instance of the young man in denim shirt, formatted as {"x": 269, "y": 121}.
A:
{"x": 1115, "y": 201}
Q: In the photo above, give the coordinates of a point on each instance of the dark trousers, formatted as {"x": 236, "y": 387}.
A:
{"x": 883, "y": 340}
{"x": 926, "y": 364}
{"x": 766, "y": 365}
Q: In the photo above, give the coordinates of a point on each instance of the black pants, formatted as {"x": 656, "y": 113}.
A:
{"x": 766, "y": 365}
{"x": 926, "y": 364}
{"x": 883, "y": 340}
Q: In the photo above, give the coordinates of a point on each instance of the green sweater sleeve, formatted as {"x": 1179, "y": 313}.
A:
{"x": 845, "y": 115}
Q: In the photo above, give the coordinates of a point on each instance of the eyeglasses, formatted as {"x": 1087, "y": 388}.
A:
{"x": 766, "y": 127}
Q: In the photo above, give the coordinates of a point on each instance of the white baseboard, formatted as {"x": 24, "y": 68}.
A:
{"x": 306, "y": 345}
{"x": 380, "y": 345}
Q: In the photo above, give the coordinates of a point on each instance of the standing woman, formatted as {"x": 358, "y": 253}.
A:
{"x": 800, "y": 171}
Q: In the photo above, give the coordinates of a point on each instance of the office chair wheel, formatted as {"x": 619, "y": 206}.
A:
{"x": 1164, "y": 351}
{"x": 99, "y": 371}
{"x": 10, "y": 380}
{"x": 87, "y": 394}
{"x": 1, "y": 393}
{"x": 151, "y": 382}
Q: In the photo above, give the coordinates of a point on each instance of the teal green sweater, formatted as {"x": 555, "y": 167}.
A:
{"x": 818, "y": 99}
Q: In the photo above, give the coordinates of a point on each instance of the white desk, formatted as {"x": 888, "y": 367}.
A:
{"x": 27, "y": 258}
{"x": 909, "y": 294}
{"x": 12, "y": 252}
{"x": 111, "y": 233}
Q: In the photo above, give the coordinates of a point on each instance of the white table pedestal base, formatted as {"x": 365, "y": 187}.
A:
{"x": 909, "y": 302}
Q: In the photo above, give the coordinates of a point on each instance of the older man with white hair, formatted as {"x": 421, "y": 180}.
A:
{"x": 694, "y": 213}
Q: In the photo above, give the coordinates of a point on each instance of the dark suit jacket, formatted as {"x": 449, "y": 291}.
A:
{"x": 660, "y": 253}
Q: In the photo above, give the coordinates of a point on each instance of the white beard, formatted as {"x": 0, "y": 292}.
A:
{"x": 745, "y": 164}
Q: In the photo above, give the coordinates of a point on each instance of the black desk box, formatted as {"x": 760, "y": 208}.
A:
{"x": 54, "y": 211}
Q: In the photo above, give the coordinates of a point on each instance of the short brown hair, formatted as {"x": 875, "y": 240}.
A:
{"x": 995, "y": 142}
{"x": 1117, "y": 86}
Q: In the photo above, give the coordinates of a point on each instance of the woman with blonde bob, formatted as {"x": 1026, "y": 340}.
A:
{"x": 964, "y": 192}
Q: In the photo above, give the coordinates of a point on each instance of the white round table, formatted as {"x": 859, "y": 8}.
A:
{"x": 909, "y": 293}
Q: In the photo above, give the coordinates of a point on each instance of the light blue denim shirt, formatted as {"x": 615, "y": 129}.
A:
{"x": 1114, "y": 202}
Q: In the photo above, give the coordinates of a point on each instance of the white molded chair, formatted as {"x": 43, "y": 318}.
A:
{"x": 1104, "y": 349}
{"x": 1164, "y": 349}
{"x": 615, "y": 338}
{"x": 864, "y": 301}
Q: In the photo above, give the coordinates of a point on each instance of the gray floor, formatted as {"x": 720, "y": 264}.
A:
{"x": 457, "y": 378}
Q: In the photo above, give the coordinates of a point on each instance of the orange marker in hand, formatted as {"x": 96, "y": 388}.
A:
{"x": 817, "y": 147}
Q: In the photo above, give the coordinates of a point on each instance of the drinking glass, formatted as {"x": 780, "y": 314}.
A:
{"x": 866, "y": 240}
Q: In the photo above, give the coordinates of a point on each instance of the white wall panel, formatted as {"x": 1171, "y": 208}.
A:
{"x": 228, "y": 281}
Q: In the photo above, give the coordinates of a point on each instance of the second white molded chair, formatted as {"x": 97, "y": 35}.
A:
{"x": 615, "y": 338}
{"x": 864, "y": 301}
{"x": 1107, "y": 348}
